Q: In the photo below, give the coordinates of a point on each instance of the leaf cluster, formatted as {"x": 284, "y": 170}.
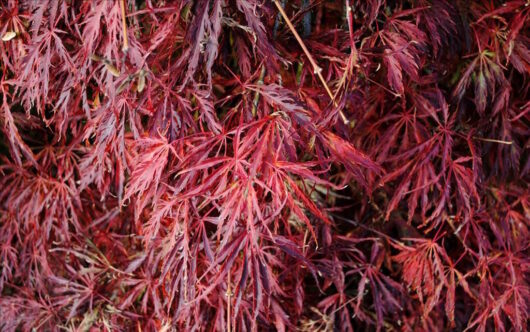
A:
{"x": 184, "y": 165}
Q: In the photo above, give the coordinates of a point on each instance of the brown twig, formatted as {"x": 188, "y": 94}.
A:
{"x": 229, "y": 304}
{"x": 256, "y": 95}
{"x": 349, "y": 18}
{"x": 316, "y": 69}
{"x": 124, "y": 27}
{"x": 491, "y": 140}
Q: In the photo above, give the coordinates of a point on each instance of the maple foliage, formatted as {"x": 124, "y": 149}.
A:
{"x": 249, "y": 165}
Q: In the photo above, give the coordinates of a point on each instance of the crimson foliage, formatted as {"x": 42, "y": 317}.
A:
{"x": 180, "y": 165}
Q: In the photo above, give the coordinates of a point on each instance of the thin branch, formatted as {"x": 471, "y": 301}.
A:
{"x": 256, "y": 95}
{"x": 229, "y": 304}
{"x": 491, "y": 140}
{"x": 316, "y": 69}
{"x": 124, "y": 27}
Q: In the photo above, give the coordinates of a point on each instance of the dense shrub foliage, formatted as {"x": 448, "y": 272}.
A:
{"x": 207, "y": 165}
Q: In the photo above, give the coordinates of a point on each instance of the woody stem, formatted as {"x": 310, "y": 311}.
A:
{"x": 316, "y": 69}
{"x": 124, "y": 27}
